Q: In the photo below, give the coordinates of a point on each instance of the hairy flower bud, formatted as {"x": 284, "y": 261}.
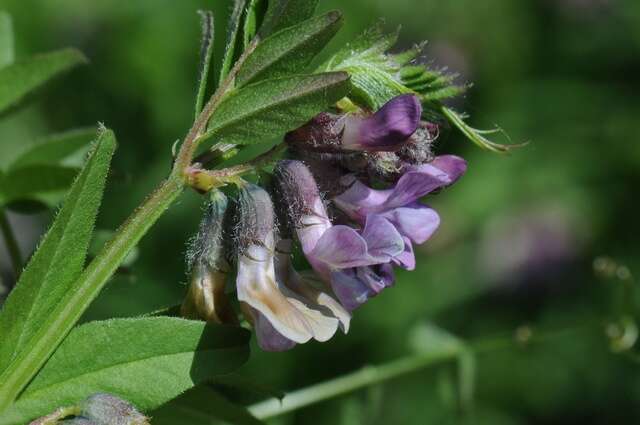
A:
{"x": 107, "y": 409}
{"x": 280, "y": 316}
{"x": 208, "y": 266}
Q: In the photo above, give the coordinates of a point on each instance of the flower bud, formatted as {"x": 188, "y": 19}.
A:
{"x": 386, "y": 130}
{"x": 208, "y": 266}
{"x": 107, "y": 409}
{"x": 280, "y": 316}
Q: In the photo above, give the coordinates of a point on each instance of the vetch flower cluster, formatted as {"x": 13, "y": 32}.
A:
{"x": 349, "y": 196}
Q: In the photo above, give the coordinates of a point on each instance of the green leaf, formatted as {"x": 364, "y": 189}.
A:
{"x": 377, "y": 76}
{"x": 285, "y": 13}
{"x": 232, "y": 39}
{"x": 42, "y": 184}
{"x": 65, "y": 149}
{"x": 206, "y": 52}
{"x": 261, "y": 111}
{"x": 23, "y": 77}
{"x": 291, "y": 50}
{"x": 6, "y": 40}
{"x": 478, "y": 136}
{"x": 254, "y": 16}
{"x": 59, "y": 259}
{"x": 202, "y": 406}
{"x": 147, "y": 361}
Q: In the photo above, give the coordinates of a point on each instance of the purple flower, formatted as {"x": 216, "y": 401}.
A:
{"x": 399, "y": 205}
{"x": 386, "y": 130}
{"x": 281, "y": 316}
{"x": 330, "y": 247}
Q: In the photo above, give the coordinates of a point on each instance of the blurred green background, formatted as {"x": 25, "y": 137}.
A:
{"x": 519, "y": 235}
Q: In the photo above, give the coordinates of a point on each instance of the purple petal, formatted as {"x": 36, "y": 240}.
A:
{"x": 452, "y": 165}
{"x": 387, "y": 129}
{"x": 360, "y": 200}
{"x": 416, "y": 221}
{"x": 354, "y": 287}
{"x": 351, "y": 291}
{"x": 415, "y": 184}
{"x": 341, "y": 247}
{"x": 406, "y": 260}
{"x": 383, "y": 240}
{"x": 269, "y": 339}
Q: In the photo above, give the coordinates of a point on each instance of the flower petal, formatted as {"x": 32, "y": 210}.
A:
{"x": 303, "y": 285}
{"x": 269, "y": 339}
{"x": 452, "y": 165}
{"x": 387, "y": 129}
{"x": 406, "y": 260}
{"x": 256, "y": 286}
{"x": 341, "y": 247}
{"x": 359, "y": 200}
{"x": 383, "y": 240}
{"x": 355, "y": 286}
{"x": 416, "y": 221}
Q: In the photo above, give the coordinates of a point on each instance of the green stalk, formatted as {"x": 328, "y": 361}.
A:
{"x": 372, "y": 375}
{"x": 44, "y": 343}
{"x": 12, "y": 243}
{"x": 365, "y": 377}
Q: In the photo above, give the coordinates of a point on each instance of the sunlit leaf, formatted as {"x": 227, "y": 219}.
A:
{"x": 270, "y": 108}
{"x": 147, "y": 361}
{"x": 59, "y": 258}
{"x": 291, "y": 50}
{"x": 203, "y": 406}
{"x": 23, "y": 77}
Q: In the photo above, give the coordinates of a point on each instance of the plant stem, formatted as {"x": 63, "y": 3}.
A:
{"x": 207, "y": 180}
{"x": 12, "y": 243}
{"x": 71, "y": 307}
{"x": 365, "y": 377}
{"x": 372, "y": 375}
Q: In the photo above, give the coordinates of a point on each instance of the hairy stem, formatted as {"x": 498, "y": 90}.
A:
{"x": 193, "y": 139}
{"x": 12, "y": 243}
